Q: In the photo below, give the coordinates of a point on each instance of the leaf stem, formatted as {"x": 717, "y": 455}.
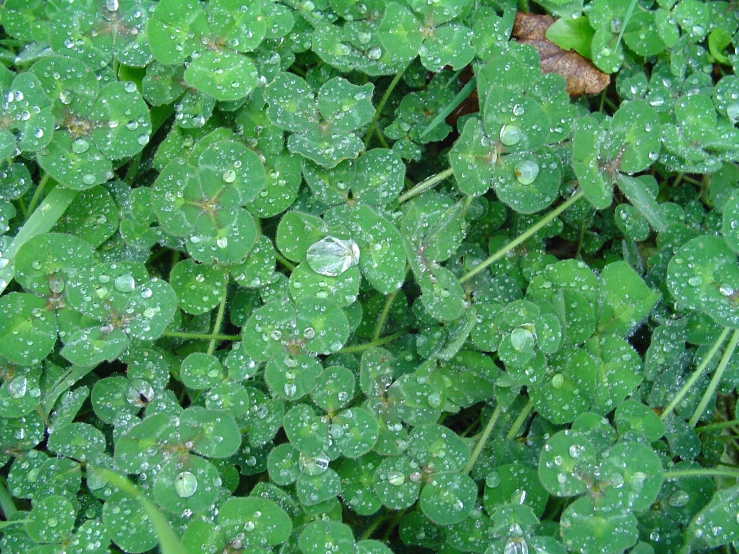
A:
{"x": 716, "y": 379}
{"x": 383, "y": 315}
{"x": 425, "y": 185}
{"x": 381, "y": 105}
{"x": 718, "y": 425}
{"x": 531, "y": 231}
{"x": 41, "y": 221}
{"x": 519, "y": 421}
{"x": 219, "y": 318}
{"x": 37, "y": 194}
{"x": 703, "y": 472}
{"x": 483, "y": 439}
{"x": 374, "y": 525}
{"x": 6, "y": 502}
{"x": 368, "y": 345}
{"x": 284, "y": 261}
{"x": 199, "y": 336}
{"x": 696, "y": 375}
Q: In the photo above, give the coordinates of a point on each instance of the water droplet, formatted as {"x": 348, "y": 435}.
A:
{"x": 332, "y": 256}
{"x": 558, "y": 380}
{"x": 732, "y": 111}
{"x": 679, "y": 498}
{"x": 222, "y": 242}
{"x": 125, "y": 283}
{"x": 185, "y": 484}
{"x": 492, "y": 480}
{"x": 396, "y": 478}
{"x": 229, "y": 176}
{"x": 511, "y": 135}
{"x": 375, "y": 53}
{"x": 17, "y": 387}
{"x": 80, "y": 146}
{"x": 88, "y": 179}
{"x": 695, "y": 281}
{"x": 526, "y": 171}
{"x": 129, "y": 86}
{"x": 111, "y": 5}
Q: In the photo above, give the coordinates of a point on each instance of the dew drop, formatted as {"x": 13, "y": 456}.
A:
{"x": 185, "y": 484}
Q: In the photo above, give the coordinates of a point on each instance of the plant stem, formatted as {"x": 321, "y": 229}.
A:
{"x": 425, "y": 185}
{"x": 284, "y": 261}
{"x": 6, "y": 502}
{"x": 371, "y": 529}
{"x": 704, "y": 472}
{"x": 696, "y": 374}
{"x": 381, "y": 138}
{"x": 368, "y": 345}
{"x": 718, "y": 425}
{"x": 219, "y": 318}
{"x": 483, "y": 439}
{"x": 41, "y": 221}
{"x": 518, "y": 422}
{"x": 381, "y": 105}
{"x": 37, "y": 194}
{"x": 716, "y": 379}
{"x": 523, "y": 237}
{"x": 383, "y": 315}
{"x": 199, "y": 336}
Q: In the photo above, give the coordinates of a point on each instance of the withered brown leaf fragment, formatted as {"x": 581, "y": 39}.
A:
{"x": 581, "y": 75}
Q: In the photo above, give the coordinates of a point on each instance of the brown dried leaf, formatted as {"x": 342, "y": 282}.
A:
{"x": 581, "y": 75}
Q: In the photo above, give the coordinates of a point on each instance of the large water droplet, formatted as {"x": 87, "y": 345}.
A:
{"x": 558, "y": 380}
{"x": 80, "y": 146}
{"x": 526, "y": 171}
{"x": 332, "y": 256}
{"x": 185, "y": 484}
{"x": 17, "y": 387}
{"x": 511, "y": 135}
{"x": 125, "y": 283}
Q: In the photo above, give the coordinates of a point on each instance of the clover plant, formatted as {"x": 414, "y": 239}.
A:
{"x": 361, "y": 277}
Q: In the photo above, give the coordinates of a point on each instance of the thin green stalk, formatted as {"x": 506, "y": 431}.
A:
{"x": 483, "y": 439}
{"x": 200, "y": 336}
{"x": 383, "y": 315}
{"x": 37, "y": 194}
{"x": 696, "y": 375}
{"x": 368, "y": 345}
{"x": 518, "y": 422}
{"x": 715, "y": 380}
{"x": 629, "y": 12}
{"x": 6, "y": 502}
{"x": 718, "y": 425}
{"x": 425, "y": 185}
{"x": 374, "y": 525}
{"x": 41, "y": 221}
{"x": 451, "y": 106}
{"x": 523, "y": 237}
{"x": 284, "y": 261}
{"x": 704, "y": 472}
{"x": 381, "y": 138}
{"x": 393, "y": 522}
{"x": 169, "y": 543}
{"x": 381, "y": 105}
{"x": 219, "y": 318}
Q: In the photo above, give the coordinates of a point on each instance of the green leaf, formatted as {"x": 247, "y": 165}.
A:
{"x": 201, "y": 371}
{"x": 223, "y": 75}
{"x": 400, "y": 33}
{"x": 27, "y": 328}
{"x": 198, "y": 287}
{"x": 346, "y": 106}
{"x": 212, "y": 433}
{"x": 631, "y": 476}
{"x": 703, "y": 275}
{"x": 473, "y": 159}
{"x": 448, "y": 498}
{"x": 123, "y": 124}
{"x": 587, "y": 530}
{"x": 626, "y": 299}
{"x": 265, "y": 522}
{"x": 186, "y": 483}
{"x": 567, "y": 464}
{"x": 322, "y": 535}
{"x": 382, "y": 252}
{"x": 51, "y": 519}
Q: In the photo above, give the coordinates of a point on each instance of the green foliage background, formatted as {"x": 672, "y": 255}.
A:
{"x": 260, "y": 293}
